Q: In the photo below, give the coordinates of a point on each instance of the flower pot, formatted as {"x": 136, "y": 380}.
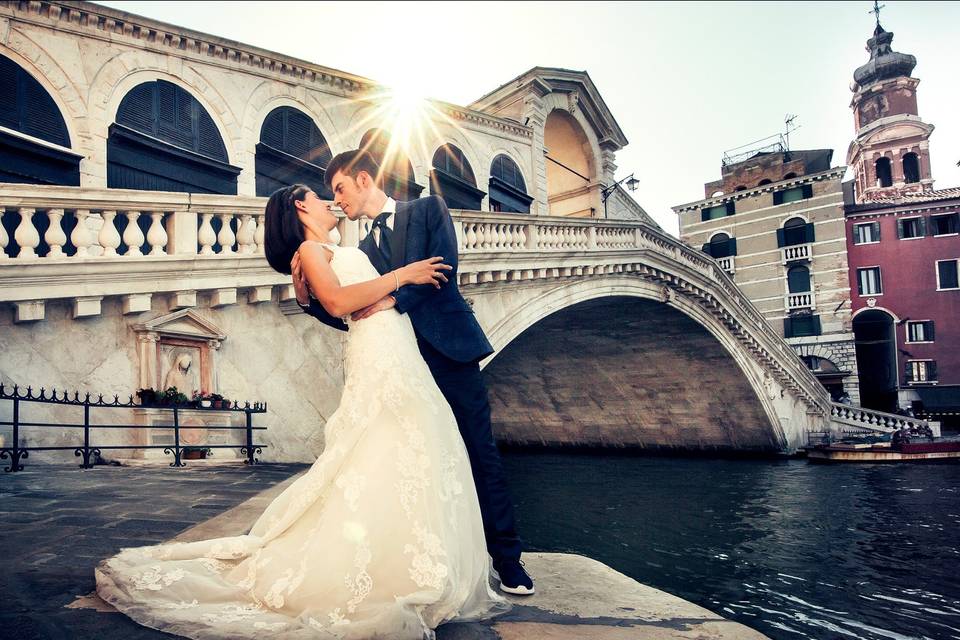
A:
{"x": 206, "y": 404}
{"x": 194, "y": 454}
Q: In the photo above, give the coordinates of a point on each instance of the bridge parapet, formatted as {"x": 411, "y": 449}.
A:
{"x": 857, "y": 420}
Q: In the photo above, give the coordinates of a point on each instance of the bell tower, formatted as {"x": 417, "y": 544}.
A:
{"x": 890, "y": 154}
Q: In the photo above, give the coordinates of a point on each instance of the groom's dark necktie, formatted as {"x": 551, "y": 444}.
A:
{"x": 380, "y": 222}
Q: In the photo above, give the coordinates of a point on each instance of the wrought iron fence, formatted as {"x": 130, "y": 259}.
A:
{"x": 88, "y": 450}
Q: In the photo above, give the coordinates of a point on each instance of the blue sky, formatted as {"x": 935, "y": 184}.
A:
{"x": 686, "y": 81}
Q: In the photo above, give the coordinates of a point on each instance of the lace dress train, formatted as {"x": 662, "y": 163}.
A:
{"x": 380, "y": 538}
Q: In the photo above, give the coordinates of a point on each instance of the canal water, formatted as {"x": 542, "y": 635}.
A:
{"x": 791, "y": 549}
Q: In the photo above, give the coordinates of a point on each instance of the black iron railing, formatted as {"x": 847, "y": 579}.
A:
{"x": 88, "y": 451}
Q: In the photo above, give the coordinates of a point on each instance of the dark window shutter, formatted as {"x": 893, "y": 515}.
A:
{"x": 925, "y": 229}
{"x": 808, "y": 233}
{"x": 932, "y": 370}
{"x": 731, "y": 208}
{"x": 929, "y": 330}
{"x": 136, "y": 110}
{"x": 807, "y": 191}
{"x": 706, "y": 249}
{"x": 27, "y": 107}
{"x": 9, "y": 103}
{"x": 781, "y": 238}
{"x": 788, "y": 327}
{"x": 900, "y": 229}
{"x": 777, "y": 198}
{"x": 732, "y": 247}
{"x": 876, "y": 231}
{"x": 211, "y": 144}
{"x": 704, "y": 215}
{"x": 816, "y": 326}
{"x": 271, "y": 133}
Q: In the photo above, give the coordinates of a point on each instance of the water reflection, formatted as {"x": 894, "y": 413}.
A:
{"x": 791, "y": 549}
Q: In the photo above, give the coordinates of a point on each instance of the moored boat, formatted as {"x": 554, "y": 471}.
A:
{"x": 940, "y": 449}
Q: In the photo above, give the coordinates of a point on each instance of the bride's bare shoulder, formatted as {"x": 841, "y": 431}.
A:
{"x": 315, "y": 251}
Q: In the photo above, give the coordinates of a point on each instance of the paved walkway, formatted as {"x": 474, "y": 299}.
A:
{"x": 60, "y": 521}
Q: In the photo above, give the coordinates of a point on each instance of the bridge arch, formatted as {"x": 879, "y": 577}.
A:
{"x": 609, "y": 309}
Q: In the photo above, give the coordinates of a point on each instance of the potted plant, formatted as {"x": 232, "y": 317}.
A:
{"x": 172, "y": 398}
{"x": 194, "y": 453}
{"x": 216, "y": 400}
{"x": 148, "y": 397}
{"x": 202, "y": 400}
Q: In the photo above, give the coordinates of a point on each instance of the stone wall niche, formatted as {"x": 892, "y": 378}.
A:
{"x": 179, "y": 350}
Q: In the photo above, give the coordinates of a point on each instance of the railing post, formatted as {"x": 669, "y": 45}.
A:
{"x": 15, "y": 452}
{"x": 182, "y": 233}
{"x": 250, "y": 459}
{"x": 176, "y": 440}
{"x": 592, "y": 237}
{"x": 86, "y": 436}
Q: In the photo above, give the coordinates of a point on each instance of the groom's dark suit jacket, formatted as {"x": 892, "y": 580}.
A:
{"x": 422, "y": 229}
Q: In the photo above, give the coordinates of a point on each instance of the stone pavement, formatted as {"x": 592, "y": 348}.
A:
{"x": 60, "y": 521}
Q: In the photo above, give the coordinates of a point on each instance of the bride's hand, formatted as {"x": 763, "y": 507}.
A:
{"x": 429, "y": 271}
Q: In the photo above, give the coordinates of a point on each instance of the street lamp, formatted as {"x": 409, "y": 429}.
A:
{"x": 607, "y": 191}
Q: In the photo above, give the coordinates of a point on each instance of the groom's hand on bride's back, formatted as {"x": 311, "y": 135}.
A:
{"x": 384, "y": 303}
{"x": 299, "y": 281}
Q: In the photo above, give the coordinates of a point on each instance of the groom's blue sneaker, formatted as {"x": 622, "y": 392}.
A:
{"x": 513, "y": 578}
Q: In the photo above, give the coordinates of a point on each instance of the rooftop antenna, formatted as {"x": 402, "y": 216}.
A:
{"x": 789, "y": 127}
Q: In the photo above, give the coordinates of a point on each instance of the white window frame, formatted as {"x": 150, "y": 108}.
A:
{"x": 921, "y": 236}
{"x": 926, "y": 371}
{"x": 879, "y": 281}
{"x": 936, "y": 267}
{"x": 943, "y": 215}
{"x": 907, "y": 339}
{"x": 864, "y": 224}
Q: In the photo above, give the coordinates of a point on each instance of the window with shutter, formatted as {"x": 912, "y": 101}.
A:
{"x": 453, "y": 180}
{"x": 291, "y": 150}
{"x": 868, "y": 282}
{"x": 507, "y": 189}
{"x": 910, "y": 228}
{"x": 945, "y": 225}
{"x": 27, "y": 107}
{"x": 947, "y": 275}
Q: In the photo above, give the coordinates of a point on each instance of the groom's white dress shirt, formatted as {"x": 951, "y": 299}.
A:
{"x": 390, "y": 206}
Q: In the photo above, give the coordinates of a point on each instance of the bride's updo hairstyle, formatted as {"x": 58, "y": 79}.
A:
{"x": 283, "y": 231}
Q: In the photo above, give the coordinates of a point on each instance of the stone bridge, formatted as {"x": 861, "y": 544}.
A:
{"x": 607, "y": 332}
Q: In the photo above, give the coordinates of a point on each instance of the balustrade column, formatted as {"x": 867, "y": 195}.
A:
{"x": 4, "y": 241}
{"x": 132, "y": 235}
{"x": 156, "y": 235}
{"x": 26, "y": 235}
{"x": 55, "y": 236}
{"x": 245, "y": 233}
{"x": 226, "y": 237}
{"x": 206, "y": 236}
{"x": 258, "y": 234}
{"x": 109, "y": 238}
{"x": 81, "y": 237}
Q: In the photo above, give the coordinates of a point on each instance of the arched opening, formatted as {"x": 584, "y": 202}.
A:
{"x": 570, "y": 166}
{"x": 789, "y": 176}
{"x": 911, "y": 168}
{"x": 795, "y": 231}
{"x": 798, "y": 279}
{"x": 164, "y": 140}
{"x": 569, "y": 380}
{"x": 884, "y": 173}
{"x": 876, "y": 347}
{"x": 508, "y": 192}
{"x": 740, "y": 188}
{"x": 291, "y": 150}
{"x": 452, "y": 179}
{"x": 721, "y": 245}
{"x": 764, "y": 181}
{"x": 26, "y": 107}
{"x": 716, "y": 194}
{"x": 396, "y": 170}
{"x": 828, "y": 374}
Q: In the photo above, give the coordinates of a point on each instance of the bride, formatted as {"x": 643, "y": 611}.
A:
{"x": 382, "y": 536}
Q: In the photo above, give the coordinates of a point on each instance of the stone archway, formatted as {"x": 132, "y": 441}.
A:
{"x": 571, "y": 167}
{"x": 625, "y": 371}
{"x": 876, "y": 345}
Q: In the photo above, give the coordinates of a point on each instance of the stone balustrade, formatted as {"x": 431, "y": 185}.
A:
{"x": 796, "y": 253}
{"x": 851, "y": 419}
{"x": 728, "y": 264}
{"x": 803, "y": 300}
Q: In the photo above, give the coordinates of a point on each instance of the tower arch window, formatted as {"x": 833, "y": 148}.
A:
{"x": 291, "y": 150}
{"x": 508, "y": 192}
{"x": 721, "y": 245}
{"x": 396, "y": 170}
{"x": 911, "y": 168}
{"x": 164, "y": 140}
{"x": 795, "y": 231}
{"x": 763, "y": 182}
{"x": 884, "y": 172}
{"x": 452, "y": 179}
{"x": 26, "y": 107}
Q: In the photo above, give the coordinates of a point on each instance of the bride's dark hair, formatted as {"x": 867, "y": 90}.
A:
{"x": 283, "y": 231}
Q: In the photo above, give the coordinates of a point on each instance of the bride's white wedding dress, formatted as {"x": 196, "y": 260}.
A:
{"x": 381, "y": 538}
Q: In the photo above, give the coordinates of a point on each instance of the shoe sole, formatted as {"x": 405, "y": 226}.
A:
{"x": 517, "y": 591}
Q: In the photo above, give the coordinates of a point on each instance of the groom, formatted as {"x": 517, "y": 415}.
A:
{"x": 449, "y": 336}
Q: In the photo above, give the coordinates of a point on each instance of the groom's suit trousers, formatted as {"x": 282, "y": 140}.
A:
{"x": 463, "y": 386}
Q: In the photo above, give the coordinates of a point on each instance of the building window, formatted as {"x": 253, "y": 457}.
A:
{"x": 920, "y": 331}
{"x": 911, "y": 168}
{"x": 795, "y": 194}
{"x": 452, "y": 179}
{"x": 947, "y": 275}
{"x": 721, "y": 246}
{"x": 508, "y": 192}
{"x": 921, "y": 371}
{"x": 801, "y": 326}
{"x": 718, "y": 211}
{"x": 866, "y": 233}
{"x": 795, "y": 231}
{"x": 946, "y": 225}
{"x": 908, "y": 228}
{"x": 798, "y": 279}
{"x": 868, "y": 282}
{"x": 884, "y": 174}
{"x": 291, "y": 150}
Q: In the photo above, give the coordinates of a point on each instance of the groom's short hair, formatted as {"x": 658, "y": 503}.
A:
{"x": 351, "y": 163}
